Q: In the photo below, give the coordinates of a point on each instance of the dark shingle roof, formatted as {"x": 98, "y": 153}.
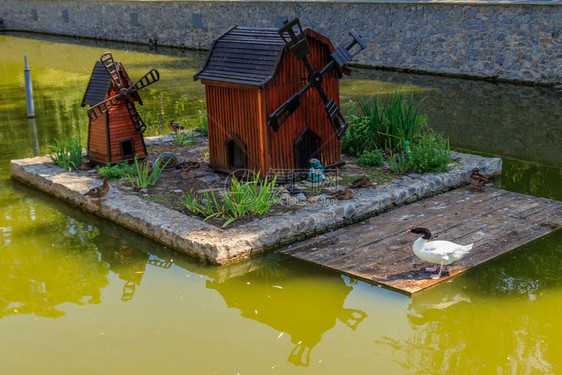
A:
{"x": 243, "y": 55}
{"x": 98, "y": 87}
{"x": 100, "y": 83}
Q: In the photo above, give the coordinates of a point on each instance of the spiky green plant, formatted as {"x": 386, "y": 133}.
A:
{"x": 67, "y": 154}
{"x": 144, "y": 176}
{"x": 398, "y": 163}
{"x": 253, "y": 197}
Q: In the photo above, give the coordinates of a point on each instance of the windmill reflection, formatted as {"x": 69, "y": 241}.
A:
{"x": 297, "y": 299}
{"x": 126, "y": 260}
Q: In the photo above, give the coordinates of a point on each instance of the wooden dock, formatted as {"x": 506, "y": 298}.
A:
{"x": 379, "y": 250}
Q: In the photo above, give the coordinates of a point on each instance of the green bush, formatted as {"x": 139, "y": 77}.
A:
{"x": 67, "y": 155}
{"x": 253, "y": 197}
{"x": 373, "y": 158}
{"x": 385, "y": 124}
{"x": 431, "y": 153}
{"x": 119, "y": 170}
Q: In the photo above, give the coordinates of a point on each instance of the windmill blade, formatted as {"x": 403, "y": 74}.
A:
{"x": 294, "y": 38}
{"x": 99, "y": 109}
{"x": 336, "y": 118}
{"x": 283, "y": 112}
{"x": 278, "y": 117}
{"x": 334, "y": 114}
{"x": 139, "y": 125}
{"x": 147, "y": 79}
{"x": 342, "y": 55}
{"x": 109, "y": 64}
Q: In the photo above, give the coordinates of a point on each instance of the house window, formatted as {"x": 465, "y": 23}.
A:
{"x": 236, "y": 150}
{"x": 127, "y": 149}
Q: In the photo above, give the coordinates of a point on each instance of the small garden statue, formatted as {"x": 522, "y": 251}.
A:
{"x": 407, "y": 149}
{"x": 316, "y": 172}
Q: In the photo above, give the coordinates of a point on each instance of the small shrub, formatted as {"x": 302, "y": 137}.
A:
{"x": 181, "y": 138}
{"x": 143, "y": 177}
{"x": 67, "y": 155}
{"x": 119, "y": 170}
{"x": 431, "y": 153}
{"x": 253, "y": 197}
{"x": 398, "y": 163}
{"x": 373, "y": 158}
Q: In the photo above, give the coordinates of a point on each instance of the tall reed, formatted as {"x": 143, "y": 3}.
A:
{"x": 383, "y": 123}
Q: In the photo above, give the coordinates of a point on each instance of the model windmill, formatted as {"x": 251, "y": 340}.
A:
{"x": 115, "y": 129}
{"x": 295, "y": 39}
{"x": 262, "y": 114}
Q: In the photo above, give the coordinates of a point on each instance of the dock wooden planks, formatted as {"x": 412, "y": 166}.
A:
{"x": 379, "y": 249}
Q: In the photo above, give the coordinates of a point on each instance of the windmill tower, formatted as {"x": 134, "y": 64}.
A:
{"x": 115, "y": 127}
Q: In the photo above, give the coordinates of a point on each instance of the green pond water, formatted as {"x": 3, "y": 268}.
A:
{"x": 80, "y": 295}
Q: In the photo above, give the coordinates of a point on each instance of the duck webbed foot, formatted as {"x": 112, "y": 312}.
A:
{"x": 435, "y": 277}
{"x": 431, "y": 269}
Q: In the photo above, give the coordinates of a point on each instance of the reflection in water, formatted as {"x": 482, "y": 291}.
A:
{"x": 529, "y": 178}
{"x": 455, "y": 324}
{"x": 33, "y": 136}
{"x": 305, "y": 310}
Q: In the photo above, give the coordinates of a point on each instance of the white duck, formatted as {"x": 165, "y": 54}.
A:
{"x": 437, "y": 252}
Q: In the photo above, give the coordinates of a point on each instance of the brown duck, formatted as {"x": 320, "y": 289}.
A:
{"x": 176, "y": 127}
{"x": 477, "y": 180}
{"x": 99, "y": 191}
{"x": 361, "y": 182}
{"x": 342, "y": 194}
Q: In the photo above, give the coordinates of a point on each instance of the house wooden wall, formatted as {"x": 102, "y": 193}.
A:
{"x": 235, "y": 111}
{"x": 97, "y": 138}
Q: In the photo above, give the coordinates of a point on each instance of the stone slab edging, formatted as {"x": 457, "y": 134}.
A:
{"x": 192, "y": 236}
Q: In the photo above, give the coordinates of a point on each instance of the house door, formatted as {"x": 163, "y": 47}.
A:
{"x": 307, "y": 146}
{"x": 236, "y": 151}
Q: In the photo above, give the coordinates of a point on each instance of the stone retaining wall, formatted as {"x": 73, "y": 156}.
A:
{"x": 511, "y": 41}
{"x": 191, "y": 235}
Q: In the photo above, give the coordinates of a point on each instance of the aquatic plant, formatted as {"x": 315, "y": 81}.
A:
{"x": 68, "y": 154}
{"x": 430, "y": 153}
{"x": 373, "y": 158}
{"x": 253, "y": 197}
{"x": 116, "y": 171}
{"x": 383, "y": 124}
{"x": 146, "y": 175}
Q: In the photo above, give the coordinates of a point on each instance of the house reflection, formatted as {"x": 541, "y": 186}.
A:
{"x": 297, "y": 299}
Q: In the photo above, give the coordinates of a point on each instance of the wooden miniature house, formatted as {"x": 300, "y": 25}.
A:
{"x": 248, "y": 74}
{"x": 113, "y": 136}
